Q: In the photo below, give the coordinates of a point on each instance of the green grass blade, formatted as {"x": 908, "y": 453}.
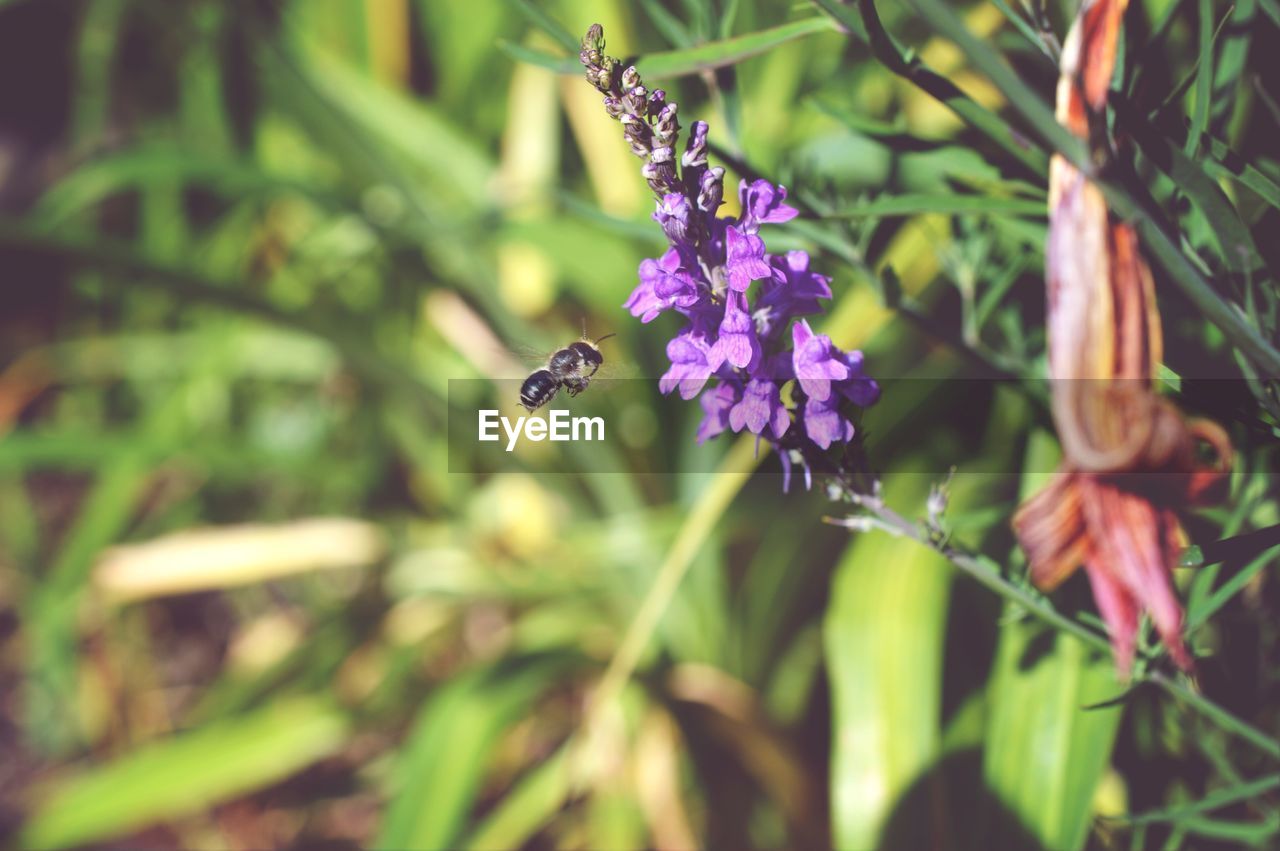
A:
{"x": 535, "y": 798}
{"x": 1033, "y": 108}
{"x": 666, "y": 23}
{"x": 911, "y": 205}
{"x": 439, "y": 773}
{"x": 1212, "y": 801}
{"x": 691, "y": 60}
{"x": 1190, "y": 176}
{"x": 1204, "y": 78}
{"x": 868, "y": 28}
{"x": 1232, "y": 60}
{"x": 548, "y": 25}
{"x": 185, "y": 774}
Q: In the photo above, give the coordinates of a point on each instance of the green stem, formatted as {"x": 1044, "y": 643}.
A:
{"x": 1213, "y": 711}
{"x": 987, "y": 572}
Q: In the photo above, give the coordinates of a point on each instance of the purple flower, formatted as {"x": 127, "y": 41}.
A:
{"x": 762, "y": 203}
{"x": 744, "y": 259}
{"x": 760, "y": 406}
{"x": 663, "y": 284}
{"x": 858, "y": 388}
{"x": 817, "y": 362}
{"x": 716, "y": 403}
{"x": 792, "y": 290}
{"x": 673, "y": 214}
{"x": 737, "y": 342}
{"x": 689, "y": 367}
{"x": 824, "y": 424}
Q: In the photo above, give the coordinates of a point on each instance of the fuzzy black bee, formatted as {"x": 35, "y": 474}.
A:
{"x": 571, "y": 368}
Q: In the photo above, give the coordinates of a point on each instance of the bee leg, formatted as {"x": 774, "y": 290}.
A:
{"x": 574, "y": 386}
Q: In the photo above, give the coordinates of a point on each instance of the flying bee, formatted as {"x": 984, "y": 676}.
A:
{"x": 571, "y": 368}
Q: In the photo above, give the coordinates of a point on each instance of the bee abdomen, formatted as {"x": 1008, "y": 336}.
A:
{"x": 538, "y": 389}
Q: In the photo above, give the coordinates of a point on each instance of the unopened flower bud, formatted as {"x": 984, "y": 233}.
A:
{"x": 695, "y": 152}
{"x": 711, "y": 190}
{"x": 630, "y": 77}
{"x": 657, "y": 99}
{"x": 668, "y": 123}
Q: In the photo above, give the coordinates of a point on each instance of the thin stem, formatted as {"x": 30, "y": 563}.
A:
{"x": 1213, "y": 711}
{"x": 987, "y": 572}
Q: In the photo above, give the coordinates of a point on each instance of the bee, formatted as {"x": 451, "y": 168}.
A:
{"x": 571, "y": 368}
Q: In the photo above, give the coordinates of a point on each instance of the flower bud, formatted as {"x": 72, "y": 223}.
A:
{"x": 630, "y": 77}
{"x": 695, "y": 152}
{"x": 711, "y": 190}
{"x": 673, "y": 215}
{"x": 657, "y": 99}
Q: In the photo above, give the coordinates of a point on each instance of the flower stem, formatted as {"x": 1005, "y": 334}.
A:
{"x": 987, "y": 572}
{"x": 1216, "y": 713}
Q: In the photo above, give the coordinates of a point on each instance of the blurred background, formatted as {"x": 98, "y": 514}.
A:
{"x": 252, "y": 596}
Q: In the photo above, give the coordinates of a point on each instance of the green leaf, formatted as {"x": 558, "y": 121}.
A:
{"x": 1045, "y": 752}
{"x": 911, "y": 205}
{"x": 1051, "y": 723}
{"x": 666, "y": 23}
{"x": 526, "y": 807}
{"x": 884, "y": 632}
{"x": 868, "y": 28}
{"x": 439, "y": 772}
{"x": 1190, "y": 176}
{"x": 185, "y": 773}
{"x": 1212, "y": 801}
{"x": 690, "y": 60}
{"x": 547, "y": 24}
{"x": 1204, "y": 78}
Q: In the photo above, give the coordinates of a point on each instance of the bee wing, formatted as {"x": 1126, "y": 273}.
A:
{"x": 501, "y": 362}
{"x": 613, "y": 369}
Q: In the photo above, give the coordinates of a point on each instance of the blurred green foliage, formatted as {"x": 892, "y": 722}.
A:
{"x": 246, "y": 246}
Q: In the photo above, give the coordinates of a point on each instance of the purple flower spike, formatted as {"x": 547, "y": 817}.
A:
{"x": 673, "y": 215}
{"x": 816, "y": 364}
{"x": 689, "y": 367}
{"x": 663, "y": 285}
{"x": 762, "y": 203}
{"x": 716, "y": 403}
{"x": 744, "y": 259}
{"x": 761, "y": 406}
{"x": 737, "y": 342}
{"x": 735, "y": 350}
{"x": 824, "y": 423}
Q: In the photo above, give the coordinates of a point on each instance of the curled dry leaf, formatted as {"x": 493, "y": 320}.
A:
{"x": 1131, "y": 460}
